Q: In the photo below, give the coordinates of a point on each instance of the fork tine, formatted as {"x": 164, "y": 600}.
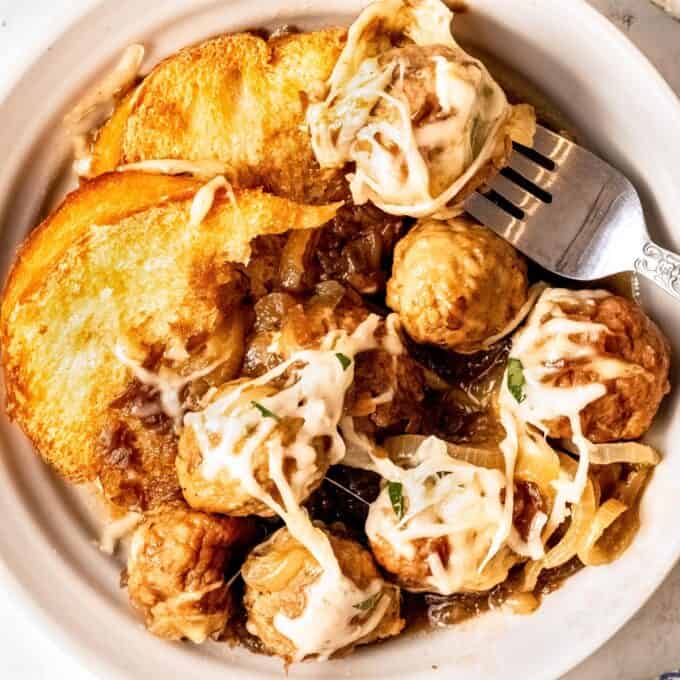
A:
{"x": 530, "y": 170}
{"x": 513, "y": 193}
{"x": 489, "y": 214}
{"x": 549, "y": 144}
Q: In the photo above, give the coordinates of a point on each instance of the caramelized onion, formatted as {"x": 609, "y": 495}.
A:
{"x": 582, "y": 517}
{"x": 402, "y": 448}
{"x": 621, "y": 530}
{"x": 521, "y": 603}
{"x": 296, "y": 259}
{"x": 624, "y": 452}
{"x": 591, "y": 553}
{"x": 634, "y": 453}
{"x": 537, "y": 462}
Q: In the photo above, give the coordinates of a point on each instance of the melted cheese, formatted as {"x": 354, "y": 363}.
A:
{"x": 393, "y": 167}
{"x": 231, "y": 429}
{"x": 166, "y": 382}
{"x": 522, "y": 314}
{"x": 549, "y": 342}
{"x": 97, "y": 103}
{"x": 117, "y": 529}
{"x": 170, "y": 166}
{"x": 444, "y": 498}
{"x": 670, "y": 6}
{"x": 205, "y": 197}
{"x": 392, "y": 341}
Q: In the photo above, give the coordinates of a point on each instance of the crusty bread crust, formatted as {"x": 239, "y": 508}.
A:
{"x": 119, "y": 263}
{"x": 238, "y": 99}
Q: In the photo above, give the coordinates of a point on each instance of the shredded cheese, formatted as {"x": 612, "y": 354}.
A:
{"x": 549, "y": 341}
{"x": 205, "y": 197}
{"x": 117, "y": 529}
{"x": 204, "y": 169}
{"x": 166, "y": 382}
{"x": 366, "y": 118}
{"x": 444, "y": 499}
{"x": 230, "y": 430}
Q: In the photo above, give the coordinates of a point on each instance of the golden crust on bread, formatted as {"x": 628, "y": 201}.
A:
{"x": 238, "y": 99}
{"x": 108, "y": 148}
{"x": 118, "y": 265}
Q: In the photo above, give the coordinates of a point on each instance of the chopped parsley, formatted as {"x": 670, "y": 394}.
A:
{"x": 395, "y": 491}
{"x": 369, "y": 603}
{"x": 264, "y": 410}
{"x": 345, "y": 361}
{"x": 516, "y": 381}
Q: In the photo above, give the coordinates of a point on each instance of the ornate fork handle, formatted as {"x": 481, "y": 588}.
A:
{"x": 661, "y": 266}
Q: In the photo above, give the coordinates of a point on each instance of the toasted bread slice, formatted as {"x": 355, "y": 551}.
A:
{"x": 118, "y": 271}
{"x": 238, "y": 99}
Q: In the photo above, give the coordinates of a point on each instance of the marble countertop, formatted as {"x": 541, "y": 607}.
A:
{"x": 646, "y": 647}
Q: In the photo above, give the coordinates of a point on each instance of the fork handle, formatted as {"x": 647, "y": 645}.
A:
{"x": 660, "y": 266}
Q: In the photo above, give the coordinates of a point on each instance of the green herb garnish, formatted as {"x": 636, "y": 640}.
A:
{"x": 516, "y": 380}
{"x": 395, "y": 491}
{"x": 370, "y": 603}
{"x": 264, "y": 410}
{"x": 345, "y": 361}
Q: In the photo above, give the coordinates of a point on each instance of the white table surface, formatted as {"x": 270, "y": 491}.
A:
{"x": 647, "y": 646}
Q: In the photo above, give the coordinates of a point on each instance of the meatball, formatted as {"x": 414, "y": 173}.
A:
{"x": 175, "y": 572}
{"x": 279, "y": 575}
{"x": 137, "y": 459}
{"x": 456, "y": 284}
{"x": 428, "y": 123}
{"x": 433, "y": 529}
{"x": 285, "y": 324}
{"x": 226, "y": 493}
{"x": 607, "y": 340}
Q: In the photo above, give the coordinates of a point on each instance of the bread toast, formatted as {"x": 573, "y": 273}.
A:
{"x": 238, "y": 99}
{"x": 119, "y": 269}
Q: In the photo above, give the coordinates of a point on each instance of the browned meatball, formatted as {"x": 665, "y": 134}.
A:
{"x": 285, "y": 324}
{"x": 175, "y": 572}
{"x": 632, "y": 400}
{"x": 226, "y": 493}
{"x": 137, "y": 461}
{"x": 456, "y": 284}
{"x": 279, "y": 572}
{"x": 415, "y": 574}
{"x": 449, "y": 526}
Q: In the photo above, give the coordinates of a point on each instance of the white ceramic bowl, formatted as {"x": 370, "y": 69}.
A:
{"x": 626, "y": 113}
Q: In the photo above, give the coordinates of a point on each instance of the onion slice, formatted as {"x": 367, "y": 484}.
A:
{"x": 582, "y": 517}
{"x": 624, "y": 452}
{"x": 590, "y": 553}
{"x": 621, "y": 530}
{"x": 402, "y": 448}
{"x": 634, "y": 453}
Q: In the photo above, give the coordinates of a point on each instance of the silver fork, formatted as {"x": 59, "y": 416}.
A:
{"x": 573, "y": 214}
